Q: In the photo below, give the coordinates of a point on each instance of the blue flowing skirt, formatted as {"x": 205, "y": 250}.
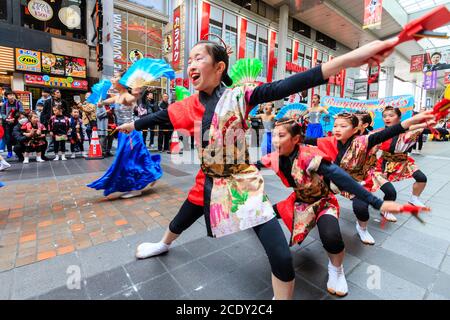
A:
{"x": 266, "y": 145}
{"x": 1, "y": 184}
{"x": 133, "y": 167}
{"x": 314, "y": 130}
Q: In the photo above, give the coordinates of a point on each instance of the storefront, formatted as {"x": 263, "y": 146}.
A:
{"x": 253, "y": 36}
{"x": 40, "y": 70}
{"x": 138, "y": 33}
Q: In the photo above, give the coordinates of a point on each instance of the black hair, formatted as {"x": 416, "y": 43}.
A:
{"x": 436, "y": 53}
{"x": 318, "y": 95}
{"x": 294, "y": 127}
{"x": 47, "y": 90}
{"x": 364, "y": 116}
{"x": 354, "y": 121}
{"x": 218, "y": 53}
{"x": 8, "y": 92}
{"x": 396, "y": 110}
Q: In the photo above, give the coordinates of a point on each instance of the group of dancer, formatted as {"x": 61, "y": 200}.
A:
{"x": 229, "y": 190}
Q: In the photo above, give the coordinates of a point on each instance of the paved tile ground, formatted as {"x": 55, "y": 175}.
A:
{"x": 69, "y": 242}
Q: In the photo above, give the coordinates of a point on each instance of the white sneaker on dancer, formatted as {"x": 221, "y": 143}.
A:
{"x": 63, "y": 158}
{"x": 4, "y": 165}
{"x": 26, "y": 160}
{"x": 414, "y": 200}
{"x": 56, "y": 158}
{"x": 39, "y": 159}
{"x": 364, "y": 235}
{"x": 131, "y": 194}
{"x": 148, "y": 249}
{"x": 389, "y": 216}
{"x": 337, "y": 284}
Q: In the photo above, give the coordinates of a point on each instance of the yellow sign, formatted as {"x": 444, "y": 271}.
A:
{"x": 28, "y": 60}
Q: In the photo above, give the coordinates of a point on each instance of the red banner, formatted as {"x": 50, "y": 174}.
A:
{"x": 295, "y": 51}
{"x": 417, "y": 63}
{"x": 176, "y": 53}
{"x": 206, "y": 11}
{"x": 242, "y": 38}
{"x": 313, "y": 64}
{"x": 273, "y": 37}
{"x": 343, "y": 74}
{"x": 329, "y": 81}
{"x": 373, "y": 10}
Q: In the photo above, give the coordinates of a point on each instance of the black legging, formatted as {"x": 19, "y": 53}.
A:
{"x": 361, "y": 208}
{"x": 269, "y": 234}
{"x": 420, "y": 177}
{"x": 329, "y": 232}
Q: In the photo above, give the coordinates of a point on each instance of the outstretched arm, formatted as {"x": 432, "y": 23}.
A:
{"x": 147, "y": 121}
{"x": 346, "y": 183}
{"x": 369, "y": 53}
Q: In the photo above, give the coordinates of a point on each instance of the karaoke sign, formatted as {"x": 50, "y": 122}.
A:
{"x": 176, "y": 53}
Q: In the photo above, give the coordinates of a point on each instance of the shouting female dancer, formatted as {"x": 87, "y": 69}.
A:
{"x": 230, "y": 193}
{"x": 352, "y": 152}
{"x": 394, "y": 162}
{"x": 309, "y": 172}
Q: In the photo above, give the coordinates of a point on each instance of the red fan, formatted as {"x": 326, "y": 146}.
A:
{"x": 409, "y": 208}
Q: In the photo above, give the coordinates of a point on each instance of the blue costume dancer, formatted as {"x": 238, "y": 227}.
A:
{"x": 133, "y": 167}
{"x": 314, "y": 129}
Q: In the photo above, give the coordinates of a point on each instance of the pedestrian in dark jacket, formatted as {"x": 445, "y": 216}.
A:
{"x": 8, "y": 110}
{"x": 150, "y": 105}
{"x": 166, "y": 129}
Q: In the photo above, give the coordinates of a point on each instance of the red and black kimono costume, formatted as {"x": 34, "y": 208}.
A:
{"x": 354, "y": 157}
{"x": 194, "y": 115}
{"x": 311, "y": 173}
{"x": 395, "y": 163}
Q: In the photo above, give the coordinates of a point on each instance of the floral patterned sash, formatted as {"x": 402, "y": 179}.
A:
{"x": 237, "y": 200}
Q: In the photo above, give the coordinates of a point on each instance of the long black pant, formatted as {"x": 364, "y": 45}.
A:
{"x": 60, "y": 146}
{"x": 152, "y": 136}
{"x": 78, "y": 144}
{"x": 164, "y": 139}
{"x": 419, "y": 142}
{"x": 9, "y": 140}
{"x": 19, "y": 149}
{"x": 269, "y": 234}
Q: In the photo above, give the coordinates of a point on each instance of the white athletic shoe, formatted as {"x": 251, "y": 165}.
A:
{"x": 5, "y": 165}
{"x": 73, "y": 156}
{"x": 389, "y": 216}
{"x": 148, "y": 249}
{"x": 63, "y": 158}
{"x": 364, "y": 235}
{"x": 26, "y": 160}
{"x": 131, "y": 194}
{"x": 337, "y": 284}
{"x": 414, "y": 200}
{"x": 39, "y": 159}
{"x": 56, "y": 158}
